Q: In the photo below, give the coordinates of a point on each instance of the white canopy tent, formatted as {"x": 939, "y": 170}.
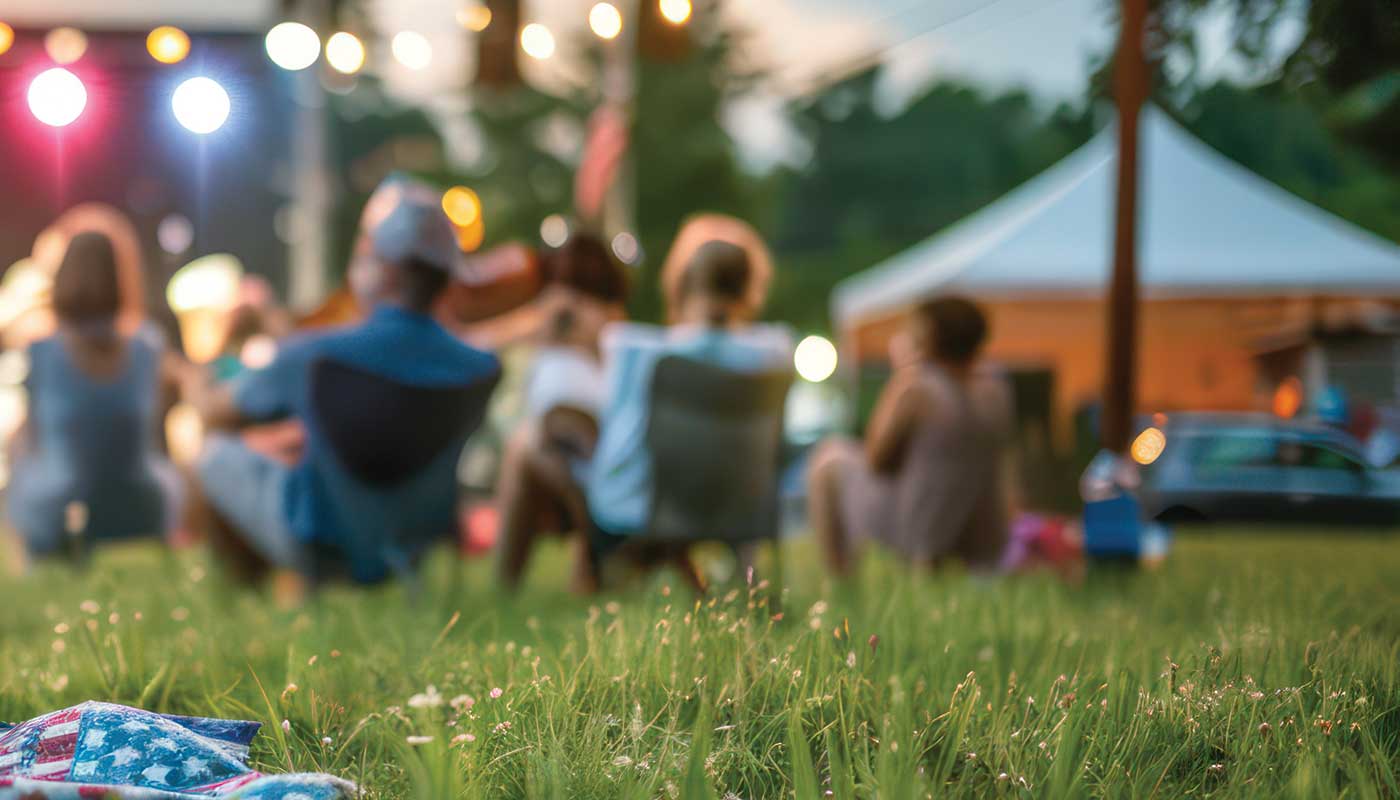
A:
{"x": 1209, "y": 228}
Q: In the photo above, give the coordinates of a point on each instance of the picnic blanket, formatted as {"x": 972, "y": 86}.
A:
{"x": 103, "y": 750}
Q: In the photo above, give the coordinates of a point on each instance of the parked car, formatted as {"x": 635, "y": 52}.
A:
{"x": 1257, "y": 468}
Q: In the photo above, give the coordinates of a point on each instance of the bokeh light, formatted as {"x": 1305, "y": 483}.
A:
{"x": 1288, "y": 398}
{"x": 554, "y": 230}
{"x": 537, "y": 41}
{"x": 412, "y": 49}
{"x": 470, "y": 237}
{"x": 292, "y": 46}
{"x": 57, "y": 97}
{"x": 626, "y": 247}
{"x": 258, "y": 351}
{"x": 7, "y": 38}
{"x": 201, "y": 105}
{"x": 345, "y": 53}
{"x": 175, "y": 234}
{"x": 461, "y": 205}
{"x": 65, "y": 45}
{"x": 605, "y": 20}
{"x": 676, "y": 12}
{"x": 168, "y": 44}
{"x": 815, "y": 359}
{"x": 475, "y": 18}
{"x": 1148, "y": 446}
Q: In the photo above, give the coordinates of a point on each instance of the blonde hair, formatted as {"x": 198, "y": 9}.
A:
{"x": 702, "y": 229}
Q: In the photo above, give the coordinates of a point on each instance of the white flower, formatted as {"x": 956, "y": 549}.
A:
{"x": 428, "y": 699}
{"x": 286, "y": 726}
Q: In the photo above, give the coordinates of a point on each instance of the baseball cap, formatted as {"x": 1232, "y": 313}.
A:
{"x": 404, "y": 221}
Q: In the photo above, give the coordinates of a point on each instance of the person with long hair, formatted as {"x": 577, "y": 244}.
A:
{"x": 87, "y": 465}
{"x": 929, "y": 481}
{"x": 601, "y": 491}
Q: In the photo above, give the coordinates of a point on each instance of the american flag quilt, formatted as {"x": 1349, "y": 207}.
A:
{"x": 102, "y": 750}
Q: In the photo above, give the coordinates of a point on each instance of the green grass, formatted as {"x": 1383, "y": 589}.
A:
{"x": 1246, "y": 666}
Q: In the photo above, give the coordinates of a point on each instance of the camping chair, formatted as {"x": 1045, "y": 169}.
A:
{"x": 391, "y": 445}
{"x": 715, "y": 437}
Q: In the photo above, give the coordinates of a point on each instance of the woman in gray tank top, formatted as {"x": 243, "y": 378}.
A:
{"x": 86, "y": 462}
{"x": 927, "y": 482}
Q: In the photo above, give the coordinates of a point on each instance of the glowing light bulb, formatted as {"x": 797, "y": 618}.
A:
{"x": 7, "y": 38}
{"x": 412, "y": 49}
{"x": 201, "y": 105}
{"x": 676, "y": 12}
{"x": 815, "y": 359}
{"x": 474, "y": 18}
{"x": 168, "y": 44}
{"x": 605, "y": 20}
{"x": 65, "y": 45}
{"x": 345, "y": 53}
{"x": 292, "y": 46}
{"x": 537, "y": 41}
{"x": 56, "y": 97}
{"x": 461, "y": 205}
{"x": 1148, "y": 446}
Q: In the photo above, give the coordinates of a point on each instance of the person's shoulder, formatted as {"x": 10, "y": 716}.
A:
{"x": 626, "y": 335}
{"x": 771, "y": 339}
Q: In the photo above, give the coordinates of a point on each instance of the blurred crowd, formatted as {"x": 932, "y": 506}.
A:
{"x": 440, "y": 396}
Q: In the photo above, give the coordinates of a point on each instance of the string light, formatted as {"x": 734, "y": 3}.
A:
{"x": 168, "y": 44}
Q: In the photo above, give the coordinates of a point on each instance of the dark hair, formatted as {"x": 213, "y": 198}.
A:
{"x": 954, "y": 329}
{"x": 584, "y": 264}
{"x": 420, "y": 283}
{"x": 86, "y": 287}
{"x": 720, "y": 270}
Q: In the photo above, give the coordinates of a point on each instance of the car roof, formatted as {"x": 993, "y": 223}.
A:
{"x": 1228, "y": 423}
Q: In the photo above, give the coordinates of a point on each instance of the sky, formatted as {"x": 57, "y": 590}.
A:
{"x": 1045, "y": 46}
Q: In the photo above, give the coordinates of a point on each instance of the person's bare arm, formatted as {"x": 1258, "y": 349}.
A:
{"x": 893, "y": 421}
{"x": 214, "y": 402}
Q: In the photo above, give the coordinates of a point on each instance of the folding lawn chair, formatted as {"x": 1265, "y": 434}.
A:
{"x": 715, "y": 437}
{"x": 391, "y": 446}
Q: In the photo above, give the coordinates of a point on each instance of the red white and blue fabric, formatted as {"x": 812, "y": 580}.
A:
{"x": 102, "y": 750}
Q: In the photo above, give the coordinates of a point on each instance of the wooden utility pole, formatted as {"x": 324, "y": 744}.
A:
{"x": 496, "y": 64}
{"x": 1132, "y": 87}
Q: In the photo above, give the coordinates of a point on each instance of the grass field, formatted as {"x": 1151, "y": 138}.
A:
{"x": 1246, "y": 666}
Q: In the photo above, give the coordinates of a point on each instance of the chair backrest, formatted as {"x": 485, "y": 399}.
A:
{"x": 387, "y": 453}
{"x": 383, "y": 432}
{"x": 715, "y": 438}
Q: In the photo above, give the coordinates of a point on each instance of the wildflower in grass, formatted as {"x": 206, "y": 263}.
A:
{"x": 851, "y": 659}
{"x": 1003, "y": 778}
{"x": 61, "y": 628}
{"x": 89, "y": 607}
{"x": 113, "y": 618}
{"x": 1217, "y": 768}
{"x": 462, "y": 703}
{"x": 327, "y": 741}
{"x": 311, "y": 662}
{"x": 496, "y": 693}
{"x": 286, "y": 726}
{"x": 501, "y": 727}
{"x": 463, "y": 738}
{"x": 427, "y": 699}
{"x": 335, "y": 654}
{"x": 873, "y": 642}
{"x": 1265, "y": 727}
{"x": 818, "y": 608}
{"x": 418, "y": 740}
{"x": 289, "y": 691}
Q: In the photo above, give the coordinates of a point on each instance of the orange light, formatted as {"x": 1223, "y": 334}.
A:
{"x": 470, "y": 237}
{"x": 65, "y": 45}
{"x": 7, "y": 38}
{"x": 1148, "y": 446}
{"x": 474, "y": 18}
{"x": 1288, "y": 398}
{"x": 461, "y": 205}
{"x": 168, "y": 44}
{"x": 676, "y": 12}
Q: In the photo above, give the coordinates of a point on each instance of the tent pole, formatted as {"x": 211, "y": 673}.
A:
{"x": 1131, "y": 90}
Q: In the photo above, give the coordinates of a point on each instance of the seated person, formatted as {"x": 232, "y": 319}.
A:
{"x": 604, "y": 498}
{"x": 269, "y": 514}
{"x": 86, "y": 463}
{"x": 585, "y": 290}
{"x": 927, "y": 482}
